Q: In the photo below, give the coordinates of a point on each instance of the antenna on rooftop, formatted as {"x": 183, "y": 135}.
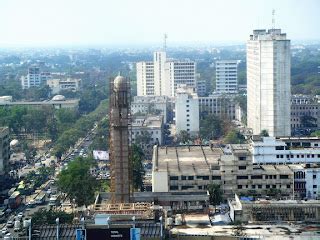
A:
{"x": 273, "y": 19}
{"x": 165, "y": 42}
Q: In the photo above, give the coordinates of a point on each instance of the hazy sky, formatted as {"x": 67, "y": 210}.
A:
{"x": 90, "y": 22}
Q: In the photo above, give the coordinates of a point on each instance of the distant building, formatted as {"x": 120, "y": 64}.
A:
{"x": 187, "y": 110}
{"x": 180, "y": 72}
{"x": 304, "y": 109}
{"x": 227, "y": 76}
{"x": 153, "y": 105}
{"x": 57, "y": 102}
{"x": 57, "y": 85}
{"x": 220, "y": 105}
{"x": 4, "y": 99}
{"x": 307, "y": 181}
{"x": 268, "y": 82}
{"x": 162, "y": 76}
{"x": 201, "y": 86}
{"x": 145, "y": 78}
{"x": 149, "y": 130}
{"x": 34, "y": 78}
{"x": 4, "y": 149}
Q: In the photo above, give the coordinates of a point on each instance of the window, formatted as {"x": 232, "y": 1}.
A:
{"x": 239, "y": 186}
{"x": 242, "y": 158}
{"x": 259, "y": 186}
{"x": 190, "y": 178}
{"x": 256, "y": 177}
{"x": 174, "y": 178}
{"x": 216, "y": 177}
{"x": 242, "y": 177}
{"x": 253, "y": 186}
{"x": 314, "y": 176}
{"x": 314, "y": 186}
{"x": 242, "y": 167}
{"x": 274, "y": 186}
{"x": 288, "y": 185}
{"x": 279, "y": 147}
{"x": 183, "y": 178}
{"x": 267, "y": 186}
{"x": 174, "y": 188}
{"x": 284, "y": 176}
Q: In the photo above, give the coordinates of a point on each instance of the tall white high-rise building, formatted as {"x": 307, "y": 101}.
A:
{"x": 162, "y": 76}
{"x": 161, "y": 84}
{"x": 268, "y": 80}
{"x": 227, "y": 76}
{"x": 145, "y": 76}
{"x": 187, "y": 110}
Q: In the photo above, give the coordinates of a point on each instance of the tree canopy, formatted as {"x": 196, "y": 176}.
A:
{"x": 137, "y": 157}
{"x": 77, "y": 181}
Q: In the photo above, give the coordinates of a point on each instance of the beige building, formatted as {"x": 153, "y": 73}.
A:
{"x": 192, "y": 168}
{"x": 58, "y": 85}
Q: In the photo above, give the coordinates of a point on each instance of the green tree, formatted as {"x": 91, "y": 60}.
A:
{"x": 49, "y": 217}
{"x": 316, "y": 134}
{"x": 143, "y": 139}
{"x": 215, "y": 193}
{"x": 234, "y": 137}
{"x": 77, "y": 181}
{"x": 138, "y": 172}
{"x": 211, "y": 127}
{"x": 183, "y": 137}
{"x": 264, "y": 133}
{"x": 308, "y": 121}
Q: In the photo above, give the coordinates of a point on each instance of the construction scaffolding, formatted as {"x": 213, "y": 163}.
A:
{"x": 120, "y": 122}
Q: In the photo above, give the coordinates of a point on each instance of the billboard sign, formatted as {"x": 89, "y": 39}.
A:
{"x": 113, "y": 234}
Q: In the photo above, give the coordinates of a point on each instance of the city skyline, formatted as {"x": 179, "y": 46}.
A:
{"x": 96, "y": 22}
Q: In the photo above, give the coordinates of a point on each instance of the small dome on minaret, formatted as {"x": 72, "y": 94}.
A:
{"x": 120, "y": 83}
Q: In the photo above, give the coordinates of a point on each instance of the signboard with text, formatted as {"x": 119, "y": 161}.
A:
{"x": 109, "y": 234}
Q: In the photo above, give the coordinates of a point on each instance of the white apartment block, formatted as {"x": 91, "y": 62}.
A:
{"x": 34, "y": 78}
{"x": 268, "y": 79}
{"x": 58, "y": 85}
{"x": 187, "y": 110}
{"x": 150, "y": 105}
{"x": 181, "y": 72}
{"x": 227, "y": 76}
{"x": 162, "y": 76}
{"x": 4, "y": 149}
{"x": 145, "y": 78}
{"x": 269, "y": 150}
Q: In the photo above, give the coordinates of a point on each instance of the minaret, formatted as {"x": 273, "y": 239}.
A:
{"x": 119, "y": 140}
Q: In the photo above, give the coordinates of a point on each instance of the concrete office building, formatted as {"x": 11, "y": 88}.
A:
{"x": 193, "y": 168}
{"x": 227, "y": 76}
{"x": 180, "y": 73}
{"x": 263, "y": 210}
{"x": 187, "y": 110}
{"x": 145, "y": 78}
{"x": 269, "y": 150}
{"x": 34, "y": 78}
{"x": 70, "y": 84}
{"x": 304, "y": 106}
{"x": 154, "y": 105}
{"x": 268, "y": 79}
{"x": 162, "y": 76}
{"x": 153, "y": 125}
{"x": 4, "y": 149}
{"x": 220, "y": 105}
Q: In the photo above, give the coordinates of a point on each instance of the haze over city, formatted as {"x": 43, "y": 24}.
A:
{"x": 125, "y": 22}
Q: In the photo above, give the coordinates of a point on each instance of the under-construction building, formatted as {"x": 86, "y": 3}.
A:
{"x": 119, "y": 140}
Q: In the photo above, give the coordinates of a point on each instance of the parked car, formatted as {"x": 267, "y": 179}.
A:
{"x": 9, "y": 224}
